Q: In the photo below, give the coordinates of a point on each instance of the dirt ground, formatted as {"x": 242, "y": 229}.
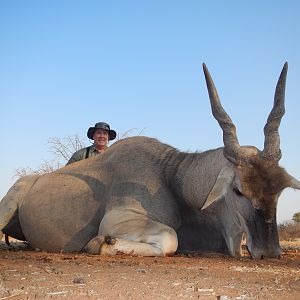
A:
{"x": 26, "y": 274}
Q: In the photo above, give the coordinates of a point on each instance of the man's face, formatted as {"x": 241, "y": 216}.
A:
{"x": 100, "y": 138}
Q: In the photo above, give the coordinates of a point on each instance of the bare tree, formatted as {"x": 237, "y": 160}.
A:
{"x": 45, "y": 167}
{"x": 63, "y": 149}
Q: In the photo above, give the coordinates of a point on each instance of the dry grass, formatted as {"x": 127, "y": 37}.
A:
{"x": 289, "y": 231}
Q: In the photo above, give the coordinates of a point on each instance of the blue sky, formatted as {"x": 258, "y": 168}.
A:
{"x": 65, "y": 65}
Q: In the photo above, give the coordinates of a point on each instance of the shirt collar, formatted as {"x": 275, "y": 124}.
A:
{"x": 93, "y": 148}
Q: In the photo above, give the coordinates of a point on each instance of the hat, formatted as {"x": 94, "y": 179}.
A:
{"x": 101, "y": 125}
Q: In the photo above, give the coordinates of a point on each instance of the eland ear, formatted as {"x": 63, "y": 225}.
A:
{"x": 220, "y": 188}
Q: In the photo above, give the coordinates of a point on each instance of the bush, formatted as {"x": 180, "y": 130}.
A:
{"x": 289, "y": 231}
{"x": 296, "y": 217}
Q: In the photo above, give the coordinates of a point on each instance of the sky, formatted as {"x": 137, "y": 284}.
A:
{"x": 65, "y": 65}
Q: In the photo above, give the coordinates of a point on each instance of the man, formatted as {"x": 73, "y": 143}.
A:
{"x": 101, "y": 134}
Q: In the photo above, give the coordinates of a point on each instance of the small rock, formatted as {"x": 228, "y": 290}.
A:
{"x": 79, "y": 280}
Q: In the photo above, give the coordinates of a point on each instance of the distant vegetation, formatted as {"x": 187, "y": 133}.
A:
{"x": 289, "y": 231}
{"x": 62, "y": 150}
{"x": 296, "y": 217}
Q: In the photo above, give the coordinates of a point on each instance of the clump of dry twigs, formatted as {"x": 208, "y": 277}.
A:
{"x": 62, "y": 149}
{"x": 289, "y": 231}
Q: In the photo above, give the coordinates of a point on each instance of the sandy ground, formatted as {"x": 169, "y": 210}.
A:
{"x": 26, "y": 274}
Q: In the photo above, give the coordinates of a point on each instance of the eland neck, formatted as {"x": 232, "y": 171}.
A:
{"x": 191, "y": 176}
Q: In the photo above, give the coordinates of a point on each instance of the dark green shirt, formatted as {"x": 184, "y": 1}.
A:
{"x": 81, "y": 154}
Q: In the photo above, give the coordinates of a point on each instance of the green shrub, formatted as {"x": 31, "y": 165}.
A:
{"x": 296, "y": 217}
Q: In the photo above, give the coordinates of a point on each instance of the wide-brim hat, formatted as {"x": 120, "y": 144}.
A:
{"x": 101, "y": 125}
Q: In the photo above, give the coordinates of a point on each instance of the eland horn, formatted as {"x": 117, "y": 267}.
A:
{"x": 232, "y": 148}
{"x": 272, "y": 140}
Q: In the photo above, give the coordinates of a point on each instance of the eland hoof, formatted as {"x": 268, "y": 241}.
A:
{"x": 94, "y": 245}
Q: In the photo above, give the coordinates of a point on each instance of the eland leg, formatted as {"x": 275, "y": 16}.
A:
{"x": 14, "y": 197}
{"x": 234, "y": 244}
{"x": 132, "y": 233}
